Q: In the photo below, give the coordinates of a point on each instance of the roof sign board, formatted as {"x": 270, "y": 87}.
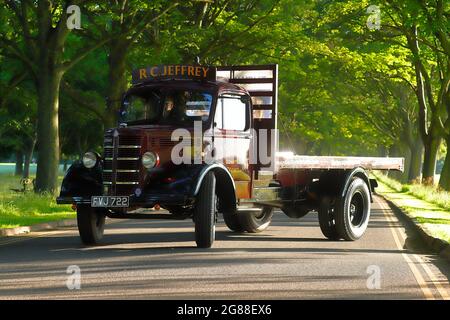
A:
{"x": 176, "y": 71}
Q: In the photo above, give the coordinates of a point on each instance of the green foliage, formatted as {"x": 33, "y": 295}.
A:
{"x": 343, "y": 89}
{"x": 24, "y": 209}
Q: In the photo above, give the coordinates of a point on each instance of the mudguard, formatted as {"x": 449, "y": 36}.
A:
{"x": 357, "y": 172}
{"x": 82, "y": 182}
{"x": 219, "y": 169}
{"x": 187, "y": 179}
{"x": 336, "y": 182}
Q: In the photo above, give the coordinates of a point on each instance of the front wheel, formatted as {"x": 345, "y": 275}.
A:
{"x": 91, "y": 224}
{"x": 254, "y": 222}
{"x": 205, "y": 212}
{"x": 353, "y": 211}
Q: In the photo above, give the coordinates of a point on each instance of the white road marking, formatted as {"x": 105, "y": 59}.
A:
{"x": 392, "y": 220}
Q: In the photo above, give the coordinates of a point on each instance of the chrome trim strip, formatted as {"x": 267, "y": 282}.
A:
{"x": 107, "y": 182}
{"x": 126, "y": 182}
{"x": 125, "y": 170}
{"x": 125, "y": 159}
{"x": 123, "y": 146}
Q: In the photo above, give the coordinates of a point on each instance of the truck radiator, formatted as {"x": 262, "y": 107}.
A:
{"x": 121, "y": 165}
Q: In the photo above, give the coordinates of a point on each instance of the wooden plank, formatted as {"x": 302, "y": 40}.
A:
{"x": 263, "y": 107}
{"x": 251, "y": 80}
{"x": 324, "y": 162}
{"x": 261, "y": 93}
{"x": 270, "y": 67}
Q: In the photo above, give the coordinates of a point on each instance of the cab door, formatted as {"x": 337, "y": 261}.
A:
{"x": 232, "y": 137}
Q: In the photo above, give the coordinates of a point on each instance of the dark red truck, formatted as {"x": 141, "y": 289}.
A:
{"x": 202, "y": 141}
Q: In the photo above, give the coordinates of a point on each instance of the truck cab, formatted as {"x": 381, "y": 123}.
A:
{"x": 201, "y": 142}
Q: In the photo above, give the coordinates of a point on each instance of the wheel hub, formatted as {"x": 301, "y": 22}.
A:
{"x": 356, "y": 209}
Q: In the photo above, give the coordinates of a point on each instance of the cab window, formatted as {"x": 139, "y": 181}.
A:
{"x": 232, "y": 113}
{"x": 166, "y": 106}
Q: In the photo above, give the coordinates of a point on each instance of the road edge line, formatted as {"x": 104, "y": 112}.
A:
{"x": 436, "y": 245}
{"x": 426, "y": 291}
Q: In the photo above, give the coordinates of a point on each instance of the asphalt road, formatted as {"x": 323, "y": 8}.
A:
{"x": 148, "y": 259}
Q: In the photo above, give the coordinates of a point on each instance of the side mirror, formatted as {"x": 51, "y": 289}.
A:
{"x": 123, "y": 108}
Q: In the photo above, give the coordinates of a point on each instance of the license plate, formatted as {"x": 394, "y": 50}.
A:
{"x": 110, "y": 201}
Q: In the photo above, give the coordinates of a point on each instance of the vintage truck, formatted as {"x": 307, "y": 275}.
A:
{"x": 200, "y": 141}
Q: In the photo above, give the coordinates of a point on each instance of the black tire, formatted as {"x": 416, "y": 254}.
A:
{"x": 256, "y": 222}
{"x": 353, "y": 211}
{"x": 91, "y": 224}
{"x": 327, "y": 219}
{"x": 232, "y": 221}
{"x": 205, "y": 212}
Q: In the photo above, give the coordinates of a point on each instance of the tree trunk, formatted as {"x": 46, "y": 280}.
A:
{"x": 117, "y": 80}
{"x": 47, "y": 131}
{"x": 19, "y": 163}
{"x": 398, "y": 150}
{"x": 415, "y": 168}
{"x": 431, "y": 147}
{"x": 28, "y": 158}
{"x": 444, "y": 181}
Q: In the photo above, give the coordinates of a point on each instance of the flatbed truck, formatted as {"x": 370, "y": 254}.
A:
{"x": 202, "y": 141}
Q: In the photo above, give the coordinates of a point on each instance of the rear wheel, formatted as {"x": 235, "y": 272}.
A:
{"x": 254, "y": 222}
{"x": 91, "y": 224}
{"x": 205, "y": 212}
{"x": 232, "y": 221}
{"x": 327, "y": 220}
{"x": 353, "y": 211}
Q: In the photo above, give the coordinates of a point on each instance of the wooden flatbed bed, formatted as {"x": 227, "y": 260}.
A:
{"x": 291, "y": 161}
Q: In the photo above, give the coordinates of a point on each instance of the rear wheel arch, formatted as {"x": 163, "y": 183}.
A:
{"x": 356, "y": 173}
{"x": 336, "y": 182}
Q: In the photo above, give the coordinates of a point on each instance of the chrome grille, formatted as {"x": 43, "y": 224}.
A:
{"x": 121, "y": 163}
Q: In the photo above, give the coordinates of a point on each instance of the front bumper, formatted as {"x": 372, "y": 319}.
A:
{"x": 135, "y": 201}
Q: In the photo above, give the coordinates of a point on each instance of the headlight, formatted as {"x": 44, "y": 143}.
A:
{"x": 150, "y": 160}
{"x": 89, "y": 160}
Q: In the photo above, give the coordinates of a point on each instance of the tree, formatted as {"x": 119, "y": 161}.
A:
{"x": 424, "y": 25}
{"x": 37, "y": 37}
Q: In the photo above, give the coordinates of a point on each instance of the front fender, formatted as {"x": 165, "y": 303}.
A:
{"x": 218, "y": 169}
{"x": 225, "y": 186}
{"x": 186, "y": 181}
{"x": 82, "y": 182}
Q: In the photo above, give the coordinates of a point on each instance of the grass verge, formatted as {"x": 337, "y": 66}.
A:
{"x": 427, "y": 207}
{"x": 25, "y": 209}
{"x": 426, "y": 193}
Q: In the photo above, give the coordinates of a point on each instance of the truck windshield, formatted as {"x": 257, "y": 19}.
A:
{"x": 166, "y": 106}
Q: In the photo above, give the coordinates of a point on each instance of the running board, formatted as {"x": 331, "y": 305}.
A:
{"x": 145, "y": 216}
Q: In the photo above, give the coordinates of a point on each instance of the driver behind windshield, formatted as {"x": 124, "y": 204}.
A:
{"x": 166, "y": 106}
{"x": 175, "y": 107}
